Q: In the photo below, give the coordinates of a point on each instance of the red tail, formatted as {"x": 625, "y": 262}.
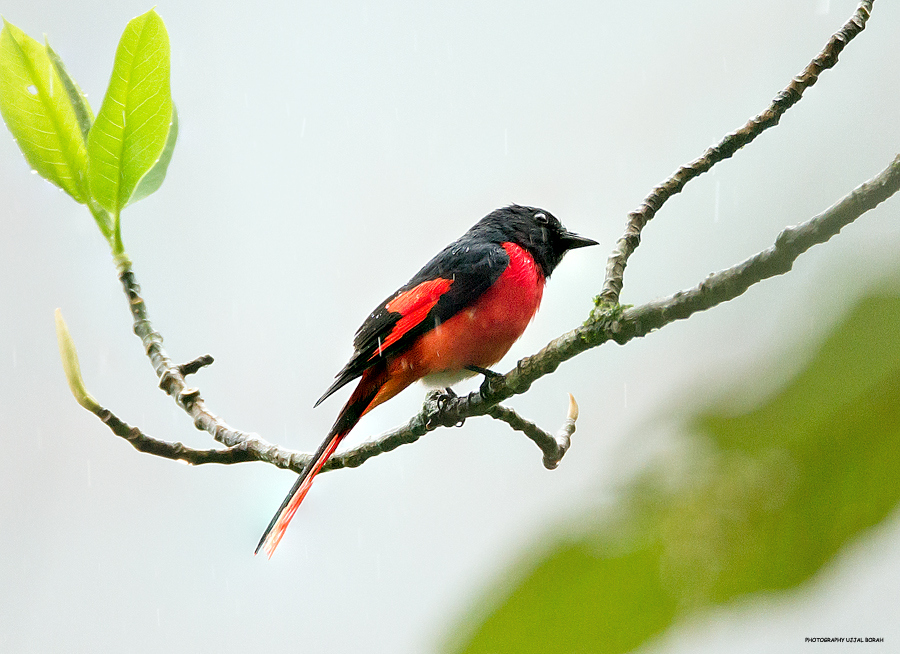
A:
{"x": 282, "y": 517}
{"x": 362, "y": 399}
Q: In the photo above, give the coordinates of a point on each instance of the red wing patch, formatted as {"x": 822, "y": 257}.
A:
{"x": 413, "y": 305}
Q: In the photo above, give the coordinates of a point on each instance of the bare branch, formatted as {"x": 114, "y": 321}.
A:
{"x": 172, "y": 381}
{"x": 554, "y": 447}
{"x": 637, "y": 219}
{"x": 613, "y": 322}
{"x": 175, "y": 451}
{"x": 776, "y": 260}
{"x": 608, "y": 321}
{"x": 191, "y": 367}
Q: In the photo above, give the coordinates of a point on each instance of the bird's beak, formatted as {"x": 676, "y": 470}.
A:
{"x": 571, "y": 241}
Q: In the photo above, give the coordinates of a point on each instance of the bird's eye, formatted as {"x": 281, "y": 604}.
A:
{"x": 541, "y": 218}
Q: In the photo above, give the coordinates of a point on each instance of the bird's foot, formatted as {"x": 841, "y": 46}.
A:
{"x": 489, "y": 375}
{"x": 443, "y": 399}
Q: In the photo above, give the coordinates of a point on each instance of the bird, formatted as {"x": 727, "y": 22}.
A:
{"x": 455, "y": 318}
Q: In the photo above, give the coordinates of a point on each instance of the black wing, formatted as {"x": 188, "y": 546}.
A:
{"x": 449, "y": 283}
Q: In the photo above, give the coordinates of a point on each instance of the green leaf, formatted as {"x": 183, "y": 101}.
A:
{"x": 78, "y": 100}
{"x": 151, "y": 182}
{"x": 132, "y": 128}
{"x": 38, "y": 110}
{"x": 765, "y": 500}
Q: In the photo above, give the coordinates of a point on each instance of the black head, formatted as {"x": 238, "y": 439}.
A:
{"x": 536, "y": 230}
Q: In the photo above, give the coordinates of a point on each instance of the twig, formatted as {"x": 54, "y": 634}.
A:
{"x": 191, "y": 367}
{"x": 133, "y": 435}
{"x": 621, "y": 325}
{"x": 172, "y": 381}
{"x": 605, "y": 323}
{"x": 554, "y": 447}
{"x": 637, "y": 219}
{"x": 776, "y": 260}
{"x": 175, "y": 451}
{"x": 608, "y": 321}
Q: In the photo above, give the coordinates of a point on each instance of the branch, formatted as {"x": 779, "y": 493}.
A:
{"x": 175, "y": 451}
{"x": 172, "y": 381}
{"x": 252, "y": 446}
{"x": 637, "y": 219}
{"x": 776, "y": 260}
{"x": 553, "y": 447}
{"x": 608, "y": 320}
{"x": 605, "y": 323}
{"x": 133, "y": 435}
{"x": 613, "y": 322}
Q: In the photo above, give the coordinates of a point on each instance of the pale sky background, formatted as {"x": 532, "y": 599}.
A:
{"x": 327, "y": 151}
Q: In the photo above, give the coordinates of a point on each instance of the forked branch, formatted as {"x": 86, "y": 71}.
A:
{"x": 637, "y": 219}
{"x": 608, "y": 320}
{"x": 606, "y": 323}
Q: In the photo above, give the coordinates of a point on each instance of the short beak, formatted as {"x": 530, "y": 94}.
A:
{"x": 571, "y": 241}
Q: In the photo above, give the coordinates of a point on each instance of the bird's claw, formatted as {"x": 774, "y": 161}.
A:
{"x": 445, "y": 397}
{"x": 489, "y": 375}
{"x": 443, "y": 400}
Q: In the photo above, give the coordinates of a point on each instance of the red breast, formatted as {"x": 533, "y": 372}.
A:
{"x": 479, "y": 335}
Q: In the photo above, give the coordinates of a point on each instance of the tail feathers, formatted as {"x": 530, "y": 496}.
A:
{"x": 361, "y": 400}
{"x": 282, "y": 518}
{"x": 343, "y": 378}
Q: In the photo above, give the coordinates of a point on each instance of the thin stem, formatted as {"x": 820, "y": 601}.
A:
{"x": 118, "y": 247}
{"x": 607, "y": 322}
{"x": 729, "y": 145}
{"x": 619, "y": 324}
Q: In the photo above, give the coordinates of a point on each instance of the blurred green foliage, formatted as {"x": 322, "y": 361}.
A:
{"x": 765, "y": 499}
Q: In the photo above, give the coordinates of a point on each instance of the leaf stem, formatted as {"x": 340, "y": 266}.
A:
{"x": 102, "y": 218}
{"x": 118, "y": 247}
